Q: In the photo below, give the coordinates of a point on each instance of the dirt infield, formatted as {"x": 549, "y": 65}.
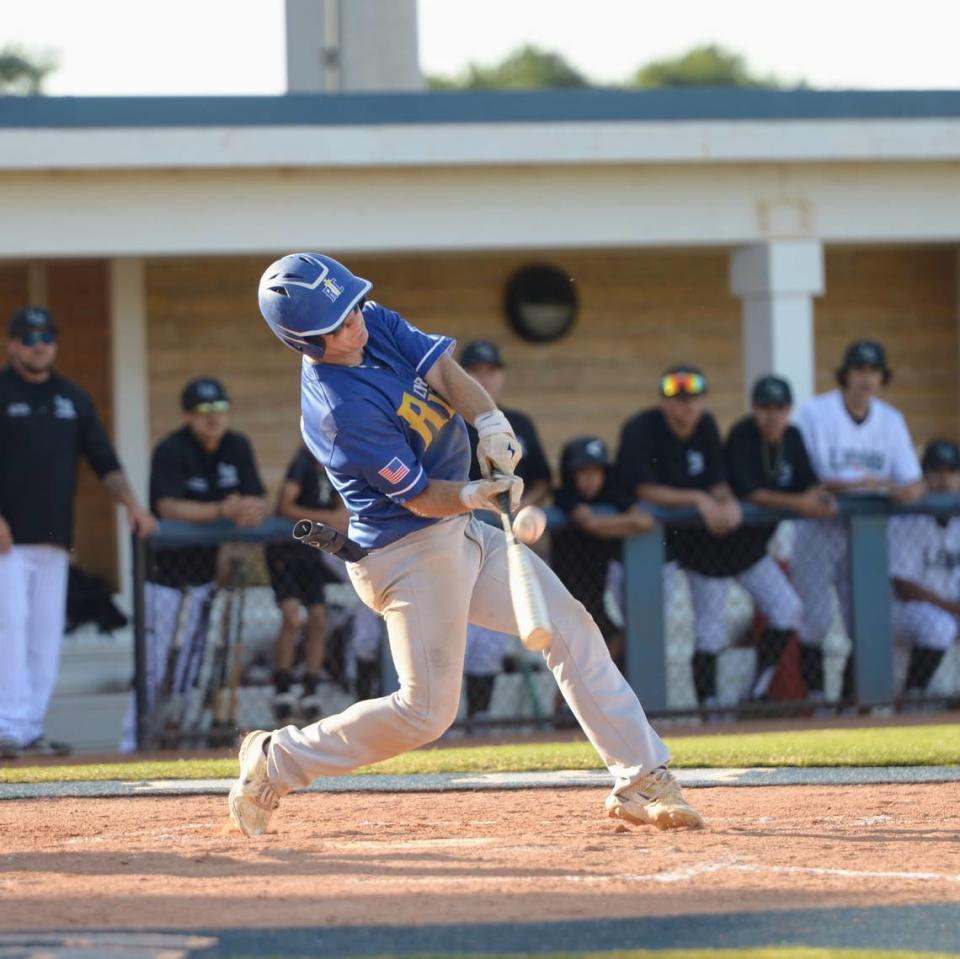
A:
{"x": 353, "y": 859}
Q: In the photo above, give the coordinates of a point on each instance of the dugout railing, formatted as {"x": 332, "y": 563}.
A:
{"x": 229, "y": 687}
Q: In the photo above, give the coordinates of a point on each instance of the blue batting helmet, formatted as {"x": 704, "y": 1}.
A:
{"x": 305, "y": 295}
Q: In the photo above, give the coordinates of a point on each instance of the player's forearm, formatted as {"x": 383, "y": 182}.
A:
{"x": 188, "y": 511}
{"x": 669, "y": 495}
{"x": 774, "y": 500}
{"x": 440, "y": 499}
{"x": 459, "y": 389}
{"x": 908, "y": 591}
{"x": 119, "y": 488}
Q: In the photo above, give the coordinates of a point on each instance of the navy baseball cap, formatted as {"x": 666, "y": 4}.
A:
{"x": 201, "y": 391}
{"x": 941, "y": 455}
{"x": 31, "y": 319}
{"x": 865, "y": 353}
{"x": 584, "y": 451}
{"x": 481, "y": 351}
{"x": 771, "y": 391}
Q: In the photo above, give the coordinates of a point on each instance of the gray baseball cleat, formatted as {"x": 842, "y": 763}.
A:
{"x": 252, "y": 799}
{"x": 655, "y": 800}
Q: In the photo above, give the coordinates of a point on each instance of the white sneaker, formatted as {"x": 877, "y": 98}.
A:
{"x": 655, "y": 800}
{"x": 252, "y": 799}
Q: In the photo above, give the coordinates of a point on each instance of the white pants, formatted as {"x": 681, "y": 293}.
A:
{"x": 819, "y": 561}
{"x": 922, "y": 624}
{"x": 428, "y": 586}
{"x": 165, "y": 609}
{"x": 33, "y": 594}
{"x": 768, "y": 586}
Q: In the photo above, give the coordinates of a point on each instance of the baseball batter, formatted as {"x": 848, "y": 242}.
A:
{"x": 856, "y": 443}
{"x": 383, "y": 409}
{"x": 925, "y": 570}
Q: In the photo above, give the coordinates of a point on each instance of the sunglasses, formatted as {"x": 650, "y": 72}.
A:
{"x": 218, "y": 406}
{"x": 33, "y": 337}
{"x": 688, "y": 384}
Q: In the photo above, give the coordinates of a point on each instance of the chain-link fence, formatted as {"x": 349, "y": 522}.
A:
{"x": 783, "y": 616}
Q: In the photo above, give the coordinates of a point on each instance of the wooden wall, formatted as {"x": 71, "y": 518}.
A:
{"x": 78, "y": 297}
{"x": 906, "y": 297}
{"x": 640, "y": 311}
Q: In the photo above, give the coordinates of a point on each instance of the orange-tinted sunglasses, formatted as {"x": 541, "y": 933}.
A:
{"x": 686, "y": 384}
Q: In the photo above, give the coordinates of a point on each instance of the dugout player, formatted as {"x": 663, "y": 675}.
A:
{"x": 671, "y": 455}
{"x": 299, "y": 578}
{"x": 857, "y": 443}
{"x": 203, "y": 472}
{"x": 767, "y": 464}
{"x": 383, "y": 409}
{"x": 46, "y": 423}
{"x": 925, "y": 570}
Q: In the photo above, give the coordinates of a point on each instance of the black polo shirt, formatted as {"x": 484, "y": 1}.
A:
{"x": 650, "y": 452}
{"x": 182, "y": 469}
{"x": 752, "y": 465}
{"x": 534, "y": 465}
{"x": 316, "y": 490}
{"x": 44, "y": 429}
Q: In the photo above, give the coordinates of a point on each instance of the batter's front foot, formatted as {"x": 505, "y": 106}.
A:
{"x": 655, "y": 800}
{"x": 253, "y": 799}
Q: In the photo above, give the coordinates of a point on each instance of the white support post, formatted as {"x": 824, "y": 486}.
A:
{"x": 777, "y": 282}
{"x": 131, "y": 420}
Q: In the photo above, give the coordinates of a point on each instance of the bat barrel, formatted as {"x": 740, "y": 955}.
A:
{"x": 302, "y": 529}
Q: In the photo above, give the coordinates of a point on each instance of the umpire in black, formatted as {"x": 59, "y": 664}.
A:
{"x": 201, "y": 473}
{"x": 46, "y": 423}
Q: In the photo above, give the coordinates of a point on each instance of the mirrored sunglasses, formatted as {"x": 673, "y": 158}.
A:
{"x": 688, "y": 384}
{"x": 33, "y": 337}
{"x": 217, "y": 406}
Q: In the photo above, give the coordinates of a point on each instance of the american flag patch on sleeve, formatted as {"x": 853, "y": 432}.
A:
{"x": 394, "y": 471}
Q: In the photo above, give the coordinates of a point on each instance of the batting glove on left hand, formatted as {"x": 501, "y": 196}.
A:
{"x": 498, "y": 450}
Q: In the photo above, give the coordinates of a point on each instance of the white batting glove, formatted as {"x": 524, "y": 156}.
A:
{"x": 498, "y": 450}
{"x": 482, "y": 494}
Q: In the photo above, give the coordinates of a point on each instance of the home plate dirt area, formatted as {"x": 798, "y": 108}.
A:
{"x": 524, "y": 856}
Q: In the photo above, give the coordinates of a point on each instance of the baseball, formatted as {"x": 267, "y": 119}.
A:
{"x": 529, "y": 524}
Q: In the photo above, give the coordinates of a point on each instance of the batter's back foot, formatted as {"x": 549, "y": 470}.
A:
{"x": 252, "y": 798}
{"x": 655, "y": 800}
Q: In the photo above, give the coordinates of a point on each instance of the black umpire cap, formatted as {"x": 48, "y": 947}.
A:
{"x": 29, "y": 319}
{"x": 204, "y": 389}
{"x": 941, "y": 455}
{"x": 481, "y": 351}
{"x": 771, "y": 391}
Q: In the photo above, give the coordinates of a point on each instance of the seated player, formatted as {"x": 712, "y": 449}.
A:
{"x": 582, "y": 554}
{"x": 767, "y": 464}
{"x": 925, "y": 570}
{"x": 299, "y": 577}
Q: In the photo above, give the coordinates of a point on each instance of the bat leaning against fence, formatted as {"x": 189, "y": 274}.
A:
{"x": 169, "y": 700}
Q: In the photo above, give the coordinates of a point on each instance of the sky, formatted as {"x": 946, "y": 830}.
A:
{"x": 236, "y": 46}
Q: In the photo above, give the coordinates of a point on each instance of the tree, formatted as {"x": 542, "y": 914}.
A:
{"x": 23, "y": 72}
{"x": 527, "y": 68}
{"x": 706, "y": 66}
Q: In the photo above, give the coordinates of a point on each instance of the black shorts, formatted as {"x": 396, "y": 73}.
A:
{"x": 298, "y": 572}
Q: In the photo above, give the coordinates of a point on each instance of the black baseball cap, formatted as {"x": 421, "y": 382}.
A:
{"x": 771, "y": 391}
{"x": 481, "y": 351}
{"x": 204, "y": 389}
{"x": 29, "y": 319}
{"x": 865, "y": 353}
{"x": 584, "y": 451}
{"x": 941, "y": 455}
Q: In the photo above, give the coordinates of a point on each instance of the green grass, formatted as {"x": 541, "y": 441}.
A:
{"x": 773, "y": 952}
{"x": 885, "y": 746}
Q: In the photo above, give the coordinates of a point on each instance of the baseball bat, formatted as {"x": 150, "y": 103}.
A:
{"x": 529, "y": 606}
{"x": 330, "y": 540}
{"x": 236, "y": 671}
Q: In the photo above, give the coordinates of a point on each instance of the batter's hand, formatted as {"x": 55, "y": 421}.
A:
{"x": 6, "y": 537}
{"x": 498, "y": 450}
{"x": 482, "y": 494}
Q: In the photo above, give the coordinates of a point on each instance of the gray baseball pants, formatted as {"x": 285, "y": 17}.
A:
{"x": 428, "y": 586}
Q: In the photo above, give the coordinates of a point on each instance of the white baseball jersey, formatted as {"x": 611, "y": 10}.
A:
{"x": 842, "y": 450}
{"x": 926, "y": 553}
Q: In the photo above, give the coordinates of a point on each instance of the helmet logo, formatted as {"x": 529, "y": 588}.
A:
{"x": 331, "y": 288}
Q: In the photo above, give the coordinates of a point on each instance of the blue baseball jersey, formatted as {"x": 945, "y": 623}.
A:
{"x": 380, "y": 431}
